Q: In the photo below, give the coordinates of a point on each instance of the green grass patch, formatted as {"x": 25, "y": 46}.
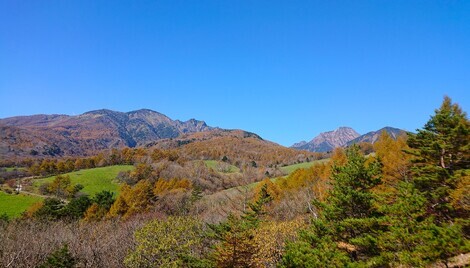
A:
{"x": 15, "y": 168}
{"x": 220, "y": 166}
{"x": 15, "y": 204}
{"x": 292, "y": 168}
{"x": 93, "y": 180}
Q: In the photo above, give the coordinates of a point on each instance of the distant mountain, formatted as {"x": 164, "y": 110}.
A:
{"x": 373, "y": 136}
{"x": 327, "y": 141}
{"x": 89, "y": 132}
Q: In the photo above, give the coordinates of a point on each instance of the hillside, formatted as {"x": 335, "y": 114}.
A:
{"x": 327, "y": 141}
{"x": 237, "y": 145}
{"x": 64, "y": 135}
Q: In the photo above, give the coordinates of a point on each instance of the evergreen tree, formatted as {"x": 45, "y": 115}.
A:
{"x": 76, "y": 208}
{"x": 441, "y": 152}
{"x": 60, "y": 258}
{"x": 348, "y": 220}
{"x": 257, "y": 208}
{"x": 236, "y": 236}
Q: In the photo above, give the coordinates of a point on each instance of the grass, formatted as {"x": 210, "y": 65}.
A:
{"x": 214, "y": 164}
{"x": 13, "y": 168}
{"x": 292, "y": 168}
{"x": 93, "y": 180}
{"x": 15, "y": 204}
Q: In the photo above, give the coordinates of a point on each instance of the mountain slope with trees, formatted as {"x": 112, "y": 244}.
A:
{"x": 85, "y": 134}
{"x": 404, "y": 206}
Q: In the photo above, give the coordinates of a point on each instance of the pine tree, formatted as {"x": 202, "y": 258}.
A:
{"x": 343, "y": 233}
{"x": 441, "y": 151}
{"x": 60, "y": 258}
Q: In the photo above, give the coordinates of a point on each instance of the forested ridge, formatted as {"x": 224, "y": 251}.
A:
{"x": 404, "y": 205}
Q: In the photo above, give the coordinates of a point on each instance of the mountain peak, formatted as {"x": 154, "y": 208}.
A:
{"x": 100, "y": 112}
{"x": 344, "y": 129}
{"x": 373, "y": 136}
{"x": 327, "y": 141}
{"x": 144, "y": 111}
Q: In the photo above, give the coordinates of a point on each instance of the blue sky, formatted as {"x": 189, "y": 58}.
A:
{"x": 286, "y": 70}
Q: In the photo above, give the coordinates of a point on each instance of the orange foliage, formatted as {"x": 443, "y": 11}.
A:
{"x": 316, "y": 178}
{"x": 273, "y": 189}
{"x": 142, "y": 196}
{"x": 391, "y": 153}
{"x": 133, "y": 200}
{"x": 94, "y": 213}
{"x": 32, "y": 209}
{"x": 164, "y": 186}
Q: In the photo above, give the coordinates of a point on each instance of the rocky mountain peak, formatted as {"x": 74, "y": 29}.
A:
{"x": 329, "y": 140}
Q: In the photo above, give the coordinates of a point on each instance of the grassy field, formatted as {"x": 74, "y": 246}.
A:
{"x": 93, "y": 180}
{"x": 292, "y": 168}
{"x": 13, "y": 168}
{"x": 214, "y": 165}
{"x": 13, "y": 205}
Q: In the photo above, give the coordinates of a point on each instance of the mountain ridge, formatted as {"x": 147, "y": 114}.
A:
{"x": 343, "y": 137}
{"x": 373, "y": 136}
{"x": 91, "y": 131}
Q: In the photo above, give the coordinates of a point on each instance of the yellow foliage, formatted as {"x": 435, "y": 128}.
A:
{"x": 142, "y": 196}
{"x": 94, "y": 213}
{"x": 119, "y": 207}
{"x": 315, "y": 177}
{"x": 391, "y": 154}
{"x": 273, "y": 189}
{"x": 32, "y": 209}
{"x": 461, "y": 195}
{"x": 270, "y": 240}
{"x": 339, "y": 157}
{"x": 164, "y": 186}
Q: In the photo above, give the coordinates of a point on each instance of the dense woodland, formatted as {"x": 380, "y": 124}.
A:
{"x": 404, "y": 205}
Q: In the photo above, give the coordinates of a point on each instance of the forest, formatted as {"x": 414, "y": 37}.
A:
{"x": 228, "y": 202}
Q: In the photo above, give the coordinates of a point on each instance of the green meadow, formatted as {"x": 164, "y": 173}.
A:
{"x": 15, "y": 204}
{"x": 292, "y": 168}
{"x": 214, "y": 164}
{"x": 93, "y": 180}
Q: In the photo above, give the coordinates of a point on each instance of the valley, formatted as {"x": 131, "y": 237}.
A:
{"x": 231, "y": 188}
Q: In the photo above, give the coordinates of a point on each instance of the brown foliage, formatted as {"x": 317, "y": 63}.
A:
{"x": 98, "y": 244}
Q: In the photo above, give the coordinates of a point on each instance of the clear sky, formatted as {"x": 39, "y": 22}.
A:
{"x": 286, "y": 70}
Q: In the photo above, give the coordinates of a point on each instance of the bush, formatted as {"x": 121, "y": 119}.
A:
{"x": 60, "y": 258}
{"x": 167, "y": 243}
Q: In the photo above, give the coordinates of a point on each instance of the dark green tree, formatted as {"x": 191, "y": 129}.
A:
{"x": 254, "y": 215}
{"x": 76, "y": 208}
{"x": 441, "y": 151}
{"x": 61, "y": 258}
{"x": 344, "y": 231}
{"x": 104, "y": 199}
{"x": 4, "y": 219}
{"x": 52, "y": 209}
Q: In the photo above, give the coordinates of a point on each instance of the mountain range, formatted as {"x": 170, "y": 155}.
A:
{"x": 342, "y": 137}
{"x": 88, "y": 133}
